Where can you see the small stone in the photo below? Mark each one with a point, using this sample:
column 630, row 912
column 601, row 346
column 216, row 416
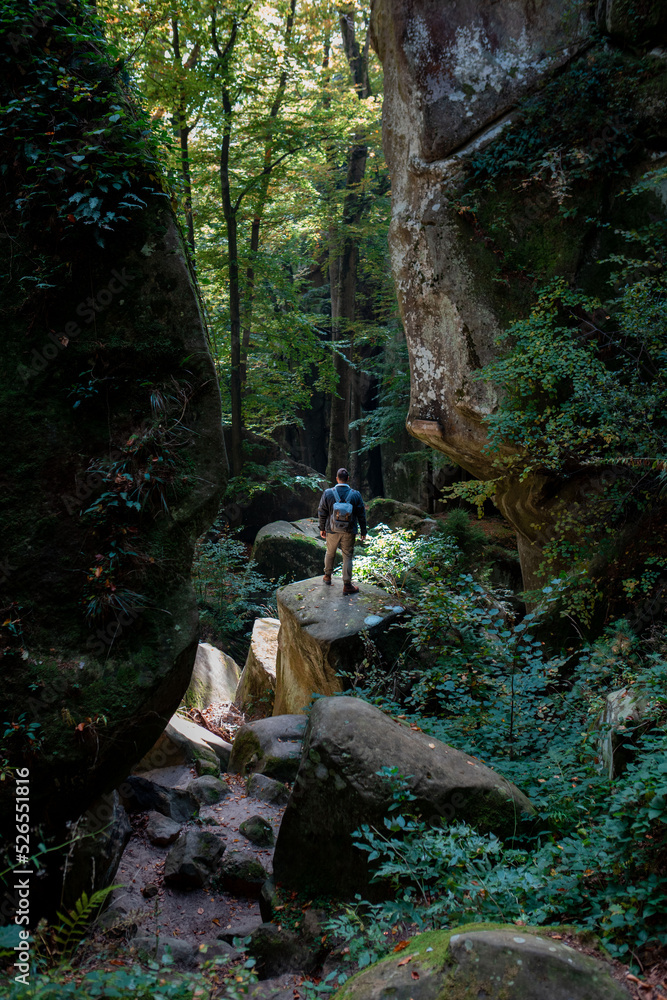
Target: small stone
column 242, row 874
column 207, row 789
column 161, row 830
column 193, row 859
column 267, row 789
column 150, row 890
column 258, row 831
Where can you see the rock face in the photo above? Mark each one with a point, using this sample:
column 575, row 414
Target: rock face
column 290, row 549
column 395, row 514
column 105, row 365
column 193, row 859
column 256, row 689
column 336, row 789
column 322, row 633
column 503, row 963
column 215, row 677
column 457, row 78
column 92, row 860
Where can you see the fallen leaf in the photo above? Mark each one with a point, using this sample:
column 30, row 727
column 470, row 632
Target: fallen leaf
column 215, row 921
column 415, row 975
column 115, row 961
column 432, row 746
column 404, row 961
column 401, row 945
column 200, row 911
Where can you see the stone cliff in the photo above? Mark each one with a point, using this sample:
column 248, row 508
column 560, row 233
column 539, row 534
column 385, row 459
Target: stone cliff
column 485, row 89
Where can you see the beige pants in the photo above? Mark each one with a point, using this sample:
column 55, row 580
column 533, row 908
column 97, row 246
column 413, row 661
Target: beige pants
column 346, row 541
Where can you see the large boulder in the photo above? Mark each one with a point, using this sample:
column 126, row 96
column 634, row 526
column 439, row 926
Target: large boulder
column 112, row 442
column 292, row 550
column 337, row 789
column 324, row 633
column 98, row 840
column 396, row 514
column 269, row 746
column 256, row 689
column 215, row 677
column 468, row 249
column 499, row 963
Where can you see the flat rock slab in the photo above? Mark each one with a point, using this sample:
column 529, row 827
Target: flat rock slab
column 256, row 689
column 506, row 963
column 321, row 634
column 184, row 742
column 337, row 789
column 269, row 746
column 154, row 792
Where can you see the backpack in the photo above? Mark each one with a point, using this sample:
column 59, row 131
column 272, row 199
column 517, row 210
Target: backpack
column 342, row 514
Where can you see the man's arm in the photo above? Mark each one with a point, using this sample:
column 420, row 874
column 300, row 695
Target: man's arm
column 323, row 512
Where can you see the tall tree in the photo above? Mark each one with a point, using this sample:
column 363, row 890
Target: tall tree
column 343, row 267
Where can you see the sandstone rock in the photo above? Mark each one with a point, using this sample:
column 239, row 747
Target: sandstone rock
column 193, row 859
column 255, row 693
column 269, row 746
column 215, row 676
column 257, row 831
column 118, row 656
column 97, row 842
column 625, row 716
column 259, row 786
column 506, row 963
column 337, row 789
column 290, row 549
column 208, row 790
column 457, row 78
column 145, row 792
column 161, row 830
column 184, row 742
column 242, row 874
column 321, row 635
column 268, row 900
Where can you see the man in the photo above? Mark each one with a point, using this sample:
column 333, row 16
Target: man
column 340, row 512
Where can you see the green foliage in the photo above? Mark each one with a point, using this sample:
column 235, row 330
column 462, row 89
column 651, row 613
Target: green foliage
column 595, row 857
column 74, row 924
column 398, row 560
column 563, row 135
column 228, row 587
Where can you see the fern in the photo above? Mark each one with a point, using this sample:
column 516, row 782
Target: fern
column 75, row 923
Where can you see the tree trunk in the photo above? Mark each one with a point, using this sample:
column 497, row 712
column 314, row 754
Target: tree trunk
column 343, row 263
column 184, row 133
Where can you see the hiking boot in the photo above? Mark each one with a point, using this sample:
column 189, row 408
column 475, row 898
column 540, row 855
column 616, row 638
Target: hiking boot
column 327, row 579
column 350, row 588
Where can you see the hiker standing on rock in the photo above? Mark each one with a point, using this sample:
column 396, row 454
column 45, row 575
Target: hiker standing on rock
column 341, row 510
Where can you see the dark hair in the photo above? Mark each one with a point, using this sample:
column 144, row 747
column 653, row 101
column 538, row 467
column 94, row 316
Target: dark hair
column 343, row 474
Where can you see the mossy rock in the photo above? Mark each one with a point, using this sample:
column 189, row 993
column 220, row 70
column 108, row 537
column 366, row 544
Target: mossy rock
column 496, row 961
column 288, row 551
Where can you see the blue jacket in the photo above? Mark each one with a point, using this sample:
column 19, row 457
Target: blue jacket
column 349, row 495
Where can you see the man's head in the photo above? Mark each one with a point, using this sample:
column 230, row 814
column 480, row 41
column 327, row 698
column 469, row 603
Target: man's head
column 342, row 476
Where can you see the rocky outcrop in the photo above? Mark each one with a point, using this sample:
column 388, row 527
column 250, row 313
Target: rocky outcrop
column 193, row 859
column 337, row 788
column 215, row 676
column 256, row 689
column 458, row 76
column 97, row 842
column 112, row 432
column 324, row 633
column 499, row 963
column 395, row 514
